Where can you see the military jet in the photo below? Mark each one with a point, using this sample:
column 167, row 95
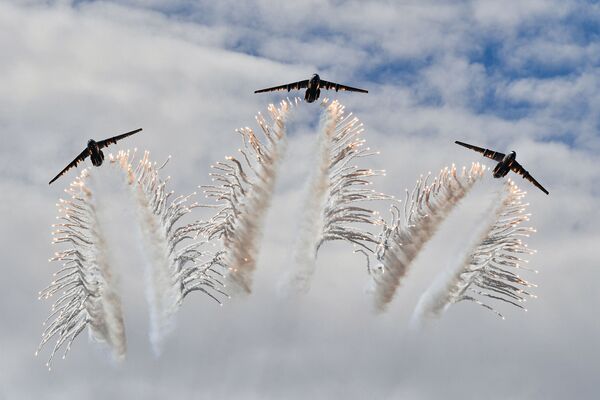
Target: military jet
column 313, row 88
column 506, row 163
column 93, row 150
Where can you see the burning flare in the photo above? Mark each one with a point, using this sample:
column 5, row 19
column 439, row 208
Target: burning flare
column 424, row 210
column 177, row 263
column 489, row 272
column 336, row 189
column 84, row 284
column 243, row 189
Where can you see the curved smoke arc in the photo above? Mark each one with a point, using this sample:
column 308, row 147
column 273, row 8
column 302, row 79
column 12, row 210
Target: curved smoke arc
column 242, row 190
column 85, row 284
column 489, row 272
column 410, row 228
column 87, row 296
column 337, row 199
column 178, row 262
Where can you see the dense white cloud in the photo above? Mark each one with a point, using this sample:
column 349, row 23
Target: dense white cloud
column 520, row 76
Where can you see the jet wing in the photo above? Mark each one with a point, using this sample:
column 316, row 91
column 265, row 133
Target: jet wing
column 288, row 87
column 113, row 140
column 494, row 155
column 518, row 168
column 84, row 154
column 337, row 87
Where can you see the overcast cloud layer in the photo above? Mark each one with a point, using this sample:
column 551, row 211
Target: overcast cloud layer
column 522, row 75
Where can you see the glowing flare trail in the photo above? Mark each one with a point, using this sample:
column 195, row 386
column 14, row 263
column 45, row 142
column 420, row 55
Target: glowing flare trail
column 178, row 264
column 243, row 189
column 336, row 189
column 175, row 270
column 490, row 270
column 424, row 210
column 84, row 284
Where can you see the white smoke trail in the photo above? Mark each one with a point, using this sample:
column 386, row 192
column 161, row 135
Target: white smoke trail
column 424, row 210
column 174, row 271
column 84, row 283
column 490, row 269
column 331, row 209
column 243, row 195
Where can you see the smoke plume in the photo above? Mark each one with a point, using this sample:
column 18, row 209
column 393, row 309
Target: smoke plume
column 243, row 189
column 177, row 265
column 410, row 228
column 84, row 284
column 177, row 262
column 489, row 273
column 335, row 191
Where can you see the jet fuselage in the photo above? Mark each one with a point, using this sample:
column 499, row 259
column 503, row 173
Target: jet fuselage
column 503, row 167
column 313, row 91
column 96, row 154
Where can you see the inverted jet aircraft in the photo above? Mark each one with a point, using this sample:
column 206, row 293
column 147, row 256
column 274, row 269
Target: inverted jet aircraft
column 505, row 164
column 93, row 150
column 313, row 88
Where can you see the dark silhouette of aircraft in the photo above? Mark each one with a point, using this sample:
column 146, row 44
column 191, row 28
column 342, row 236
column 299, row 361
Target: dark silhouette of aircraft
column 313, row 88
column 505, row 164
column 93, row 150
